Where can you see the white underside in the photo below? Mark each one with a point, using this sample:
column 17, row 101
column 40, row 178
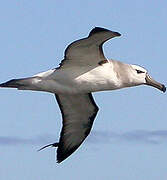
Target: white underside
column 77, row 80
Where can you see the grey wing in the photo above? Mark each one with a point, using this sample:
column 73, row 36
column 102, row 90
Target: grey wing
column 78, row 113
column 88, row 51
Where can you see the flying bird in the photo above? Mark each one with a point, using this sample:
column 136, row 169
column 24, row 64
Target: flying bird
column 83, row 70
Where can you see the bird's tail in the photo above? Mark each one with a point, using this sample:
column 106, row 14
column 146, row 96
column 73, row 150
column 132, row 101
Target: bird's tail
column 23, row 83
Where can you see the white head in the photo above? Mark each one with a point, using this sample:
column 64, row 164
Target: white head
column 140, row 76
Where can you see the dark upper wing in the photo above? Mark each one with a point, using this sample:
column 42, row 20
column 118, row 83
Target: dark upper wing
column 78, row 113
column 88, row 51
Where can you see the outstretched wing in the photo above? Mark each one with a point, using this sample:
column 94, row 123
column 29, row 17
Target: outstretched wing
column 78, row 113
column 88, row 51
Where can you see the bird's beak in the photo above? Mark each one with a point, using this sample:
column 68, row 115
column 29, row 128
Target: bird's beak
column 151, row 82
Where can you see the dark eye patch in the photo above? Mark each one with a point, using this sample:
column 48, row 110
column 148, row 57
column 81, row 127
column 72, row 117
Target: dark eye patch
column 138, row 71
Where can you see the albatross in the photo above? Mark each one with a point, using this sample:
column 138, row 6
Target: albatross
column 83, row 70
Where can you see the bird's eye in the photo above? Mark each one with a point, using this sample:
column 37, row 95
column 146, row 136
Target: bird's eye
column 139, row 71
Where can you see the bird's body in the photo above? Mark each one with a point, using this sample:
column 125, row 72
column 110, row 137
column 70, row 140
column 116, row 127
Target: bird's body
column 84, row 70
column 76, row 80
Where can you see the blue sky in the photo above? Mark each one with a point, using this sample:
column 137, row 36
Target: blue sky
column 129, row 136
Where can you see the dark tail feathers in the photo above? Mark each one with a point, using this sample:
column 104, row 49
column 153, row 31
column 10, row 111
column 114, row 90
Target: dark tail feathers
column 18, row 83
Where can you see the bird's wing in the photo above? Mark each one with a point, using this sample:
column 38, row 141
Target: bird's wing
column 78, row 113
column 88, row 51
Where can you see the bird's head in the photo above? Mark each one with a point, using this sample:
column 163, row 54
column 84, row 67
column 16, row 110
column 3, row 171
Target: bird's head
column 141, row 76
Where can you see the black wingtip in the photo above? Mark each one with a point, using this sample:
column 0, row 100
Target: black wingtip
column 164, row 88
column 100, row 29
column 59, row 161
column 49, row 145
